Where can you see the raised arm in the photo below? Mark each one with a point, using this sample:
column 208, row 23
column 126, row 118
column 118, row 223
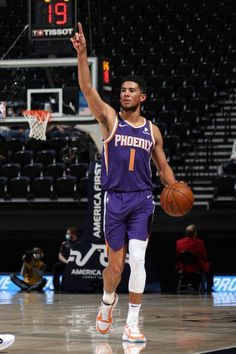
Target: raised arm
column 103, row 113
column 164, row 170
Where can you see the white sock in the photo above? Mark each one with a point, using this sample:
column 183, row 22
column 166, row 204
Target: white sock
column 133, row 313
column 108, row 298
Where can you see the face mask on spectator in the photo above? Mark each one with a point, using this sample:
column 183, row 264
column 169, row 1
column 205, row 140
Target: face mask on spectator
column 67, row 237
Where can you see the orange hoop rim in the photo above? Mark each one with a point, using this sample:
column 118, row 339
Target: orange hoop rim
column 40, row 114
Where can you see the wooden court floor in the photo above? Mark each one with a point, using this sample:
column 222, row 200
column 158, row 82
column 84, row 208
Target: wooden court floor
column 65, row 323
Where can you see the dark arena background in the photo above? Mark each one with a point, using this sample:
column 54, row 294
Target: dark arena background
column 186, row 52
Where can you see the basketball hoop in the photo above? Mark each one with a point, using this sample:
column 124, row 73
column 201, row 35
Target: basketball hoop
column 38, row 120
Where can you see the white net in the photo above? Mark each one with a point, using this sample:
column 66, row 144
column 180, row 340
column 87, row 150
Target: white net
column 38, row 120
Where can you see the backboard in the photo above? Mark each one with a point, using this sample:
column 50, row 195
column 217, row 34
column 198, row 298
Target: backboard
column 41, row 83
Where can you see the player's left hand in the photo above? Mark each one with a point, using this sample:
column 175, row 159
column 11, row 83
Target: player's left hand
column 79, row 41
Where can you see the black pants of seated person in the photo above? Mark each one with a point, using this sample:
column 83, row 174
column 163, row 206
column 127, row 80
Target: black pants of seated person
column 25, row 286
column 58, row 270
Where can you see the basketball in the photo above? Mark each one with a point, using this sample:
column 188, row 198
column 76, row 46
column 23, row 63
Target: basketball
column 177, row 199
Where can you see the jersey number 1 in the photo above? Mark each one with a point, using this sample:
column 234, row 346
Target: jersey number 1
column 131, row 159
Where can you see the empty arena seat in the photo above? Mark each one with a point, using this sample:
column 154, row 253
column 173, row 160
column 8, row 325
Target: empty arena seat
column 185, row 69
column 171, row 143
column 46, row 156
column 199, row 103
column 190, row 116
column 19, row 187
column 219, row 81
column 186, row 92
column 154, row 58
column 55, row 170
column 174, row 57
column 66, row 187
column 191, row 34
column 57, row 143
column 32, row 170
column 208, row 92
column 196, row 80
column 155, row 81
column 23, row 157
column 36, row 145
column 10, row 170
column 176, row 104
column 167, row 117
column 181, row 129
column 165, row 69
column 42, row 187
column 144, row 70
column 214, row 56
column 181, row 46
column 156, row 105
column 175, row 80
column 166, row 92
column 79, row 170
column 227, row 68
column 194, row 57
column 14, row 144
column 124, row 70
column 205, row 68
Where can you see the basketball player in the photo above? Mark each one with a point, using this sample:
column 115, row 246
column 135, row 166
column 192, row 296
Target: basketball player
column 130, row 141
column 6, row 340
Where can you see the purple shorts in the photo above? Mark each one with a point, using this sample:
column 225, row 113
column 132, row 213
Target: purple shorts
column 127, row 216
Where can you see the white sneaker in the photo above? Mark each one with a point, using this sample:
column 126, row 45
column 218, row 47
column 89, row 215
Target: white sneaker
column 104, row 318
column 132, row 333
column 6, row 340
column 133, row 348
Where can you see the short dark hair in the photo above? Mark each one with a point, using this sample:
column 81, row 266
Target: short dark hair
column 138, row 80
column 74, row 230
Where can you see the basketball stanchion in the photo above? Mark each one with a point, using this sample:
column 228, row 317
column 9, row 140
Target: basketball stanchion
column 177, row 199
column 38, row 120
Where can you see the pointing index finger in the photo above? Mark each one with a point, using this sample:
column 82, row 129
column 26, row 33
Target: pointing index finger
column 80, row 28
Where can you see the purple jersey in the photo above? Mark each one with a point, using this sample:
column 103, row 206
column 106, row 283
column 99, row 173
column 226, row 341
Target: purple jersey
column 126, row 157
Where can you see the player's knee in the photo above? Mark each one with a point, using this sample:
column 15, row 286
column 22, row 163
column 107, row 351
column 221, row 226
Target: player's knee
column 137, row 251
column 136, row 260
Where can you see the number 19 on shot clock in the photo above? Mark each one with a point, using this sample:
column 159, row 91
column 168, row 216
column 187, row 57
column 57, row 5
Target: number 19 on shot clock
column 52, row 19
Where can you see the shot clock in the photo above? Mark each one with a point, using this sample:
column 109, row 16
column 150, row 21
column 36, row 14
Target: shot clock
column 52, row 19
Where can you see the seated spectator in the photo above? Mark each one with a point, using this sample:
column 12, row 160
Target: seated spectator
column 191, row 243
column 32, row 271
column 72, row 236
column 17, row 132
column 57, row 131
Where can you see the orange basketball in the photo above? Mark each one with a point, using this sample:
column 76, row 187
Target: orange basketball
column 177, row 199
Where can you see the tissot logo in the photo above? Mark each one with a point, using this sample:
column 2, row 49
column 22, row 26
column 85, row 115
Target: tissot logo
column 58, row 32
